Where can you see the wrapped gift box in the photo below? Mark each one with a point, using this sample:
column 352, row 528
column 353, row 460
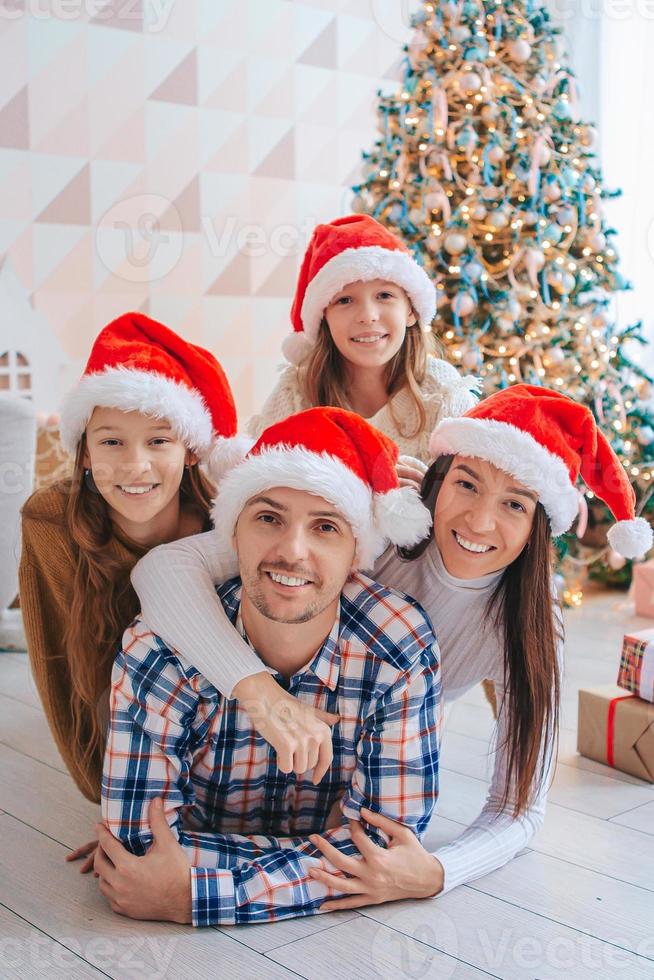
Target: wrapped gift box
column 617, row 729
column 636, row 672
column 643, row 586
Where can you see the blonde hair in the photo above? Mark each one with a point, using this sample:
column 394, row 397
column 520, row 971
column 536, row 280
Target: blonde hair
column 323, row 374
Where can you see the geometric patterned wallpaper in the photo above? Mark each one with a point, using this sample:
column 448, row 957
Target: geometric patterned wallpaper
column 173, row 157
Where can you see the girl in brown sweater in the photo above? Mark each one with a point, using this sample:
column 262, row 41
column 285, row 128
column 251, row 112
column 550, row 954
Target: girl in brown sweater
column 146, row 412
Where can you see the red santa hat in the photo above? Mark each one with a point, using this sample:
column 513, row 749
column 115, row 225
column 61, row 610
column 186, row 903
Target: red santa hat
column 546, row 441
column 139, row 365
column 352, row 249
column 336, row 455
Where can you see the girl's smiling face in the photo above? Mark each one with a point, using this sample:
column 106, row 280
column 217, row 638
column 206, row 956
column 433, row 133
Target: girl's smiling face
column 368, row 322
column 482, row 519
column 137, row 463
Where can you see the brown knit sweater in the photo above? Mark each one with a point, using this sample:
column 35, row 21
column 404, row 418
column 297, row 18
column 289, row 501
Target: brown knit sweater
column 46, row 580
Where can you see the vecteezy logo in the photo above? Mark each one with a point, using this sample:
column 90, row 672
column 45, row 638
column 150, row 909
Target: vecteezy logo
column 140, row 239
column 415, row 950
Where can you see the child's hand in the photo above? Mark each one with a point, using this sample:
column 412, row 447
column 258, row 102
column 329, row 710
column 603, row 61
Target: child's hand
column 85, row 851
column 410, row 472
column 300, row 734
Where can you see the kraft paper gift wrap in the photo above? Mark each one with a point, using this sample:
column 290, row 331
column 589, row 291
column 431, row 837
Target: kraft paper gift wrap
column 617, row 729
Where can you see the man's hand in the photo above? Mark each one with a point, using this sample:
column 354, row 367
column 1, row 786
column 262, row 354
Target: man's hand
column 300, row 735
column 155, row 886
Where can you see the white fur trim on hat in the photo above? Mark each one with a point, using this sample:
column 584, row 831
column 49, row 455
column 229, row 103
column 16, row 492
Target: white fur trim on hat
column 631, row 539
column 517, row 453
column 147, row 392
column 362, row 265
column 325, row 476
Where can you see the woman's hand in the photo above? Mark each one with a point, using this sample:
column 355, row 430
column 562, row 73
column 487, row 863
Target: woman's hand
column 410, row 472
column 300, row 735
column 156, row 886
column 85, row 851
column 403, row 870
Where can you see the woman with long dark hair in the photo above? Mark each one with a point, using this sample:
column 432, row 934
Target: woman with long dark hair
column 502, row 484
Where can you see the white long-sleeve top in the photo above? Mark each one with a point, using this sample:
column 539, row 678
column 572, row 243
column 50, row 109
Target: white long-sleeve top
column 176, row 585
column 445, row 393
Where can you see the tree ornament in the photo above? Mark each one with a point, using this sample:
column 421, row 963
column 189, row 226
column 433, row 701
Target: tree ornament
column 469, row 82
column 496, row 154
column 497, row 219
column 463, row 304
column 489, row 113
column 519, row 51
column 455, row 242
column 472, row 360
column 645, row 435
column 473, row 271
column 597, row 241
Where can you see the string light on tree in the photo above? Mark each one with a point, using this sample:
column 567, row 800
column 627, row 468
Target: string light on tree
column 486, row 171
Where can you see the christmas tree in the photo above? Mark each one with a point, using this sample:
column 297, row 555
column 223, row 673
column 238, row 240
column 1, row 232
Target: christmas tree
column 484, row 169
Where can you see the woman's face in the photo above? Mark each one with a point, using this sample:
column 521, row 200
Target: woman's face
column 368, row 321
column 137, row 463
column 482, row 519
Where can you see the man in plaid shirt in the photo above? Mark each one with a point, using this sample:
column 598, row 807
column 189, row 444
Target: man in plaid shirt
column 334, row 638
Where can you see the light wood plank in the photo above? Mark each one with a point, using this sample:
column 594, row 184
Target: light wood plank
column 581, row 839
column 595, row 793
column 369, row 950
column 506, row 941
column 642, row 818
column 262, row 938
column 16, row 679
column 28, row 953
column 609, row 910
column 45, row 799
column 598, row 845
column 36, row 884
column 25, row 729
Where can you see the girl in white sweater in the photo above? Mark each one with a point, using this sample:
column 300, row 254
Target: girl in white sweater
column 361, row 339
column 502, row 484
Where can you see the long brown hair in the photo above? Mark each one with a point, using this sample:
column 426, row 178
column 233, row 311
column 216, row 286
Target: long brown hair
column 522, row 609
column 323, row 375
column 103, row 602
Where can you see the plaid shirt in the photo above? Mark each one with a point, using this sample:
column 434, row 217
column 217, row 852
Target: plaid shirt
column 243, row 824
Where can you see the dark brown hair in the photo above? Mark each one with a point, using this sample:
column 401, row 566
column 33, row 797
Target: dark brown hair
column 522, row 609
column 103, row 602
column 323, row 375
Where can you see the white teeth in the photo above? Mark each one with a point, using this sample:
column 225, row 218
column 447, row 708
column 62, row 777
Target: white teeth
column 368, row 340
column 286, row 580
column 470, row 546
column 137, row 490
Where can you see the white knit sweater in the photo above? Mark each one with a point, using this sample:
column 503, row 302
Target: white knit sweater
column 445, row 394
column 176, row 585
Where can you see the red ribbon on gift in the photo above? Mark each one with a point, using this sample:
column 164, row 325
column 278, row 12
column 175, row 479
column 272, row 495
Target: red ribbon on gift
column 610, row 725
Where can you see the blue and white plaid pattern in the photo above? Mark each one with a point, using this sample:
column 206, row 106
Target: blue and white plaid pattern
column 243, row 824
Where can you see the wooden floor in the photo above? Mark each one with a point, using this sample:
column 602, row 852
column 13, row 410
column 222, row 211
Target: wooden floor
column 578, row 904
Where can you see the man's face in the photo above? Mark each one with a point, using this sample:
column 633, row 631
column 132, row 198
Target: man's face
column 295, row 553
